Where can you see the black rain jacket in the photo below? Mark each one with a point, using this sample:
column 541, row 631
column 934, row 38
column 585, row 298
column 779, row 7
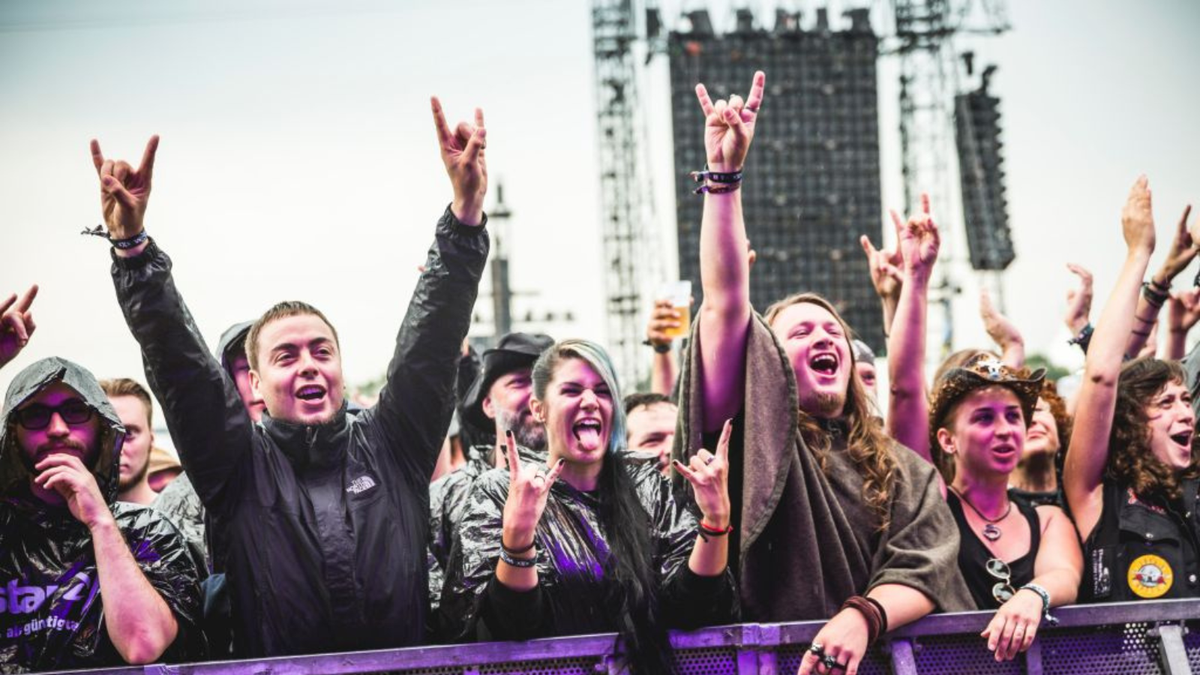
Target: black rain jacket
column 51, row 608
column 325, row 526
column 574, row 566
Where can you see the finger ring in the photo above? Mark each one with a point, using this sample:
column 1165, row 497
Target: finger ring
column 829, row 661
column 817, row 648
column 709, row 460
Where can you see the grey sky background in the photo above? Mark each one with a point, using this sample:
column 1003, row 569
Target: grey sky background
column 298, row 159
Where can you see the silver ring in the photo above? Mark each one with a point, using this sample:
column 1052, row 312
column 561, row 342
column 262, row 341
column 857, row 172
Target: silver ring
column 709, row 460
column 817, row 648
column 830, row 662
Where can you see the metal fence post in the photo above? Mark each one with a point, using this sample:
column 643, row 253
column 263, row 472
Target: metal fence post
column 1172, row 653
column 903, row 660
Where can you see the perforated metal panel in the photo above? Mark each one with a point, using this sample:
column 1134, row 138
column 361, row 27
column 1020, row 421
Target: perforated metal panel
column 709, row 661
column 1191, row 642
column 566, row 666
column 789, row 658
column 440, row 670
column 1102, row 650
column 962, row 654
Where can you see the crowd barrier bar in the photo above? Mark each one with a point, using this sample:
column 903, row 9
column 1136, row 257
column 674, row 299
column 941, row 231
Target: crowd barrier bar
column 1132, row 638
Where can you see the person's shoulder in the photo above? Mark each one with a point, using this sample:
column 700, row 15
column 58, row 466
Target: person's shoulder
column 144, row 522
column 646, row 474
column 493, row 482
column 907, row 459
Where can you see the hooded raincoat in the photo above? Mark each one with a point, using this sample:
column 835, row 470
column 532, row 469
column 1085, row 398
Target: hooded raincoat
column 51, row 605
column 322, row 528
column 447, row 501
column 573, row 566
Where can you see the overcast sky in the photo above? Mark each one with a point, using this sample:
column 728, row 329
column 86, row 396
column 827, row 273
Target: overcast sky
column 298, row 158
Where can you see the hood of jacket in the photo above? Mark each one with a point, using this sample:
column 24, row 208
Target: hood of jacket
column 232, row 343
column 14, row 471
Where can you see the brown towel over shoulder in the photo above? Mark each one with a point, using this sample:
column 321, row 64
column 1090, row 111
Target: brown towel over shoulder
column 807, row 538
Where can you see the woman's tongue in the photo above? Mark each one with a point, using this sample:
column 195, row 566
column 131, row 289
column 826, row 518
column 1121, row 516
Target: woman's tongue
column 588, row 436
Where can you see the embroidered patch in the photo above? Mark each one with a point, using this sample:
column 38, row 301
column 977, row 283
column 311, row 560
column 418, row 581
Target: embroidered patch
column 1150, row 577
column 1133, row 499
column 360, row 485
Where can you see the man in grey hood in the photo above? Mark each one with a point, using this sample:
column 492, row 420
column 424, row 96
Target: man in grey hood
column 87, row 581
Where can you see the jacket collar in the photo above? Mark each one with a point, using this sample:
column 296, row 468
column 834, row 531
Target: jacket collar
column 315, row 445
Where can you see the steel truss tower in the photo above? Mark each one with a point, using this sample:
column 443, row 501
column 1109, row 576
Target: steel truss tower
column 925, row 31
column 623, row 210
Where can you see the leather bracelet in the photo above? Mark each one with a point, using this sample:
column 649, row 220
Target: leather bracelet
column 869, row 612
column 1154, row 297
column 882, row 613
column 523, row 563
column 1084, row 338
column 517, row 551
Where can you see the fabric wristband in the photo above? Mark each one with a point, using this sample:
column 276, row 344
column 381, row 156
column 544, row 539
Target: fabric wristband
column 523, row 563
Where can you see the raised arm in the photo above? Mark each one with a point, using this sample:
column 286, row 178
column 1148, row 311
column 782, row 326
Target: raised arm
column 664, row 319
column 208, row 423
column 724, row 268
column 885, row 267
column 908, row 405
column 1087, row 455
column 417, row 400
column 1079, row 308
column 1183, row 313
column 16, row 324
column 1003, row 332
column 1157, row 292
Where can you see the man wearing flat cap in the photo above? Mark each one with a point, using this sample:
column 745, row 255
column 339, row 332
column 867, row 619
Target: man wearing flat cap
column 497, row 400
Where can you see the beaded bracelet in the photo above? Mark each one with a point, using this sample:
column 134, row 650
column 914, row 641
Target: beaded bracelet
column 1045, row 595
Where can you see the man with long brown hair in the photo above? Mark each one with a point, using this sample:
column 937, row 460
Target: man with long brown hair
column 831, row 517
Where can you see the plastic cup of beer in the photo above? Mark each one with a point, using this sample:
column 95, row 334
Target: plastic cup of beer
column 679, row 293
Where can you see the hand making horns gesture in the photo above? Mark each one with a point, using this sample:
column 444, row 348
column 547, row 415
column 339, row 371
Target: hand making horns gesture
column 124, row 192
column 464, row 154
column 528, row 490
column 729, row 125
column 709, row 476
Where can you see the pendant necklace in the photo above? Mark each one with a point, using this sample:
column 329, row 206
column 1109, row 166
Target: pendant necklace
column 990, row 531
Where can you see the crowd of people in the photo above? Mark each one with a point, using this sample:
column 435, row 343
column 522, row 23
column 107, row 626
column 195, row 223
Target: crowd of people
column 758, row 481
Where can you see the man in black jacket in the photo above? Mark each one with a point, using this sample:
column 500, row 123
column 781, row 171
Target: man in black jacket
column 324, row 515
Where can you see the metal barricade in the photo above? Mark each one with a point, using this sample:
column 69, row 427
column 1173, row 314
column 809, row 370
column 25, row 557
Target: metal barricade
column 1133, row 638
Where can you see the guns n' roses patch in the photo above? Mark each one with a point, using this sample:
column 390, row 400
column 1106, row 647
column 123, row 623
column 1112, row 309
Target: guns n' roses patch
column 1150, row 577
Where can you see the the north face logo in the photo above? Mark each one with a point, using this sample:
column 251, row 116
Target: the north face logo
column 360, row 485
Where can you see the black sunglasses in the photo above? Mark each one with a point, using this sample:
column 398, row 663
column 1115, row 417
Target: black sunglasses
column 37, row 416
column 1003, row 590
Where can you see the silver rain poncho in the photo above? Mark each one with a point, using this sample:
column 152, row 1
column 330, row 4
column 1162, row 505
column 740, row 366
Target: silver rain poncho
column 51, row 608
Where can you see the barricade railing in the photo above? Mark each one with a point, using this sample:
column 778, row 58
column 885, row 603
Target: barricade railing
column 1109, row 639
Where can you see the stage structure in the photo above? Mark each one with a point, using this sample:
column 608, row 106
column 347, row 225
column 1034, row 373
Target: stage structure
column 812, row 185
column 624, row 197
column 923, row 39
column 981, row 171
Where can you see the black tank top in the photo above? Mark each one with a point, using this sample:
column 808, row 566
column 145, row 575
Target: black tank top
column 973, row 555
